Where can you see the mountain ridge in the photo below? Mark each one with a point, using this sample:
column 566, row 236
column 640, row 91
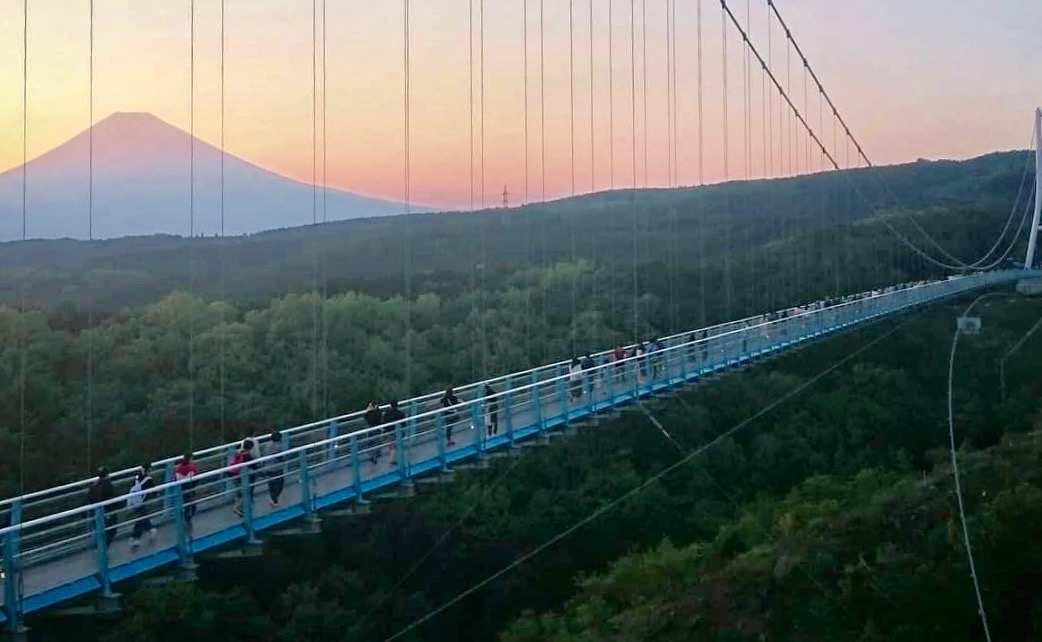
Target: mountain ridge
column 142, row 179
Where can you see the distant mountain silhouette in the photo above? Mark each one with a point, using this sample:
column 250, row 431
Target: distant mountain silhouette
column 141, row 186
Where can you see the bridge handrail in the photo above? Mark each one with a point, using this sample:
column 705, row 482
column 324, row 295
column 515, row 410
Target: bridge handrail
column 47, row 493
column 323, row 444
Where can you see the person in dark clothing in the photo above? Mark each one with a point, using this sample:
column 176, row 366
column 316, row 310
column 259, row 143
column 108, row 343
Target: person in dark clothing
column 659, row 358
column 276, row 468
column 184, row 472
column 373, row 417
column 618, row 357
column 587, row 366
column 242, row 457
column 102, row 490
column 393, row 416
column 137, row 501
column 491, row 411
column 449, row 401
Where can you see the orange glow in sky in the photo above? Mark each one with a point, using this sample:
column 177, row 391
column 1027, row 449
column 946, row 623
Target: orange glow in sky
column 928, row 80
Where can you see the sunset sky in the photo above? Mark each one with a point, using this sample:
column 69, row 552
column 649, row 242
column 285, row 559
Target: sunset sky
column 928, row 78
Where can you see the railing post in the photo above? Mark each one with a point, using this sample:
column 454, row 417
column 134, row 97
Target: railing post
column 356, row 467
column 101, row 550
column 410, row 434
column 536, row 400
column 506, row 408
column 247, row 503
column 12, row 570
column 610, row 385
column 439, row 436
column 168, row 495
column 307, row 502
column 399, row 445
column 229, row 482
column 589, row 377
column 562, row 389
column 183, row 538
column 476, row 413
column 332, row 432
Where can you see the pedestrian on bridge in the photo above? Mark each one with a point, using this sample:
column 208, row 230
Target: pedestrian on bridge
column 449, row 401
column 137, row 501
column 659, row 357
column 242, row 457
column 373, row 417
column 276, row 468
column 575, row 379
column 102, row 490
column 620, row 368
column 640, row 352
column 587, row 364
column 184, row 472
column 491, row 411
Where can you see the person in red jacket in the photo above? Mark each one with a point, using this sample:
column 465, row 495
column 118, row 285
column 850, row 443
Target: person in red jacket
column 246, row 454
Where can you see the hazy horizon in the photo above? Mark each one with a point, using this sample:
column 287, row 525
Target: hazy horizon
column 922, row 80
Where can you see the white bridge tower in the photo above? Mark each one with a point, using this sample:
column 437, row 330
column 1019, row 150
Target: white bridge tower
column 1029, row 260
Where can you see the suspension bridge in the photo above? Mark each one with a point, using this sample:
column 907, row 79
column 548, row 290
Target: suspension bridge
column 56, row 544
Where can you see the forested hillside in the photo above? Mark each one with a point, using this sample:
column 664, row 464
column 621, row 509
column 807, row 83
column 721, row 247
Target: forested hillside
column 696, row 226
column 810, row 522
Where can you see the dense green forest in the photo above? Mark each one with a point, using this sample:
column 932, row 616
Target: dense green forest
column 810, row 522
column 303, row 323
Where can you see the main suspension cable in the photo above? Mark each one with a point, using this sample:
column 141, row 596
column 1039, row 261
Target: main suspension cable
column 22, row 339
column 223, row 349
column 633, row 165
column 407, row 156
column 701, row 176
column 611, row 96
column 90, row 238
column 325, row 218
column 314, row 209
column 484, row 218
column 802, row 122
column 191, row 235
column 956, row 264
column 571, row 128
column 727, row 174
column 955, row 473
column 635, row 490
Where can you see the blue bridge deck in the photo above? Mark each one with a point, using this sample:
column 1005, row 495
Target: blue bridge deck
column 54, row 549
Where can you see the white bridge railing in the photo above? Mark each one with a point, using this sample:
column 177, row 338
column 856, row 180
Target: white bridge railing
column 55, row 547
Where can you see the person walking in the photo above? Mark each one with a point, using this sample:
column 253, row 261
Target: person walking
column 246, row 453
column 137, row 502
column 276, row 468
column 184, row 472
column 587, row 365
column 373, row 417
column 575, row 379
column 618, row 357
column 659, row 358
column 449, row 401
column 640, row 352
column 491, row 411
column 103, row 490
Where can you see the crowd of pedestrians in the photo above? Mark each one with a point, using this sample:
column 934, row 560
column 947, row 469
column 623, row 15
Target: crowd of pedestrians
column 141, row 503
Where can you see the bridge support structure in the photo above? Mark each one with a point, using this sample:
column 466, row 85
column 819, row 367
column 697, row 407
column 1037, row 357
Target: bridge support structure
column 1034, row 286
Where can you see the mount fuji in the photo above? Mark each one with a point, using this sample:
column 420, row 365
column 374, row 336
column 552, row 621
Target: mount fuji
column 141, row 187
